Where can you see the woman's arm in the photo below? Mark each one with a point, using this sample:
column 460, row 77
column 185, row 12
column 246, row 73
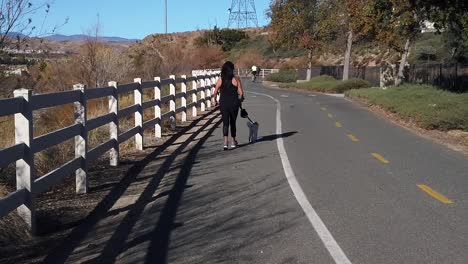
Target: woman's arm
column 215, row 95
column 240, row 90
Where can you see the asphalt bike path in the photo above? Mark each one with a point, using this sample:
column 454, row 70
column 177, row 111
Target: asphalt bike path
column 386, row 194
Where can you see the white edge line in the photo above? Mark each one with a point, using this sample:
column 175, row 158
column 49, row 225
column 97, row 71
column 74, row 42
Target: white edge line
column 330, row 243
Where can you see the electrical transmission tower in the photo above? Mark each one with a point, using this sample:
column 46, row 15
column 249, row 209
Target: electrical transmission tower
column 242, row 13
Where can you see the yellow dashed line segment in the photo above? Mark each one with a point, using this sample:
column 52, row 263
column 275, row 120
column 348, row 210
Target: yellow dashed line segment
column 323, row 109
column 338, row 124
column 435, row 194
column 353, row 138
column 330, row 115
column 380, row 158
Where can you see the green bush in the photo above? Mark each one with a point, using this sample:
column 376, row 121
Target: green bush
column 351, row 84
column 428, row 106
column 283, row 76
column 226, row 38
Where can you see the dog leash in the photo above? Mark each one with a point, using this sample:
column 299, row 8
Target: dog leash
column 242, row 109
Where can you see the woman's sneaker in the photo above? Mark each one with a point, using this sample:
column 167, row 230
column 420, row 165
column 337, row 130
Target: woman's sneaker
column 234, row 144
column 225, row 147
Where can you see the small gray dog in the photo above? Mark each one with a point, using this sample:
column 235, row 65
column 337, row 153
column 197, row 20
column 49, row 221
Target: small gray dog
column 252, row 125
column 253, row 131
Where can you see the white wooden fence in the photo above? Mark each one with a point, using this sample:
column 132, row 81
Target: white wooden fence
column 262, row 74
column 23, row 105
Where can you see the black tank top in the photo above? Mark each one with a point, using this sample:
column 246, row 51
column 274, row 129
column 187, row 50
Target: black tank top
column 228, row 94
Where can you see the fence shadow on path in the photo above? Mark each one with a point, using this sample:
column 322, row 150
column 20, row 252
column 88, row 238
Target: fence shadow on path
column 237, row 212
column 62, row 253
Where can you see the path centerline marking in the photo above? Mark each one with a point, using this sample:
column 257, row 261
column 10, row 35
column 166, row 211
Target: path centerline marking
column 330, row 115
column 338, row 124
column 323, row 109
column 353, row 138
column 436, row 195
column 380, row 158
column 322, row 231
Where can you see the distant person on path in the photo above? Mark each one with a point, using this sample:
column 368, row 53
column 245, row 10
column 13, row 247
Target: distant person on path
column 254, row 72
column 231, row 95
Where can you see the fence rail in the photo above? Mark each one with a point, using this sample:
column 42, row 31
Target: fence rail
column 25, row 103
column 262, row 74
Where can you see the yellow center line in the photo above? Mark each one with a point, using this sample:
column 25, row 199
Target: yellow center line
column 435, row 194
column 380, row 158
column 353, row 138
column 330, row 115
column 323, row 109
column 338, row 124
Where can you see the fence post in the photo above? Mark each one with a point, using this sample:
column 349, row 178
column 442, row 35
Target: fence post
column 440, row 75
column 25, row 166
column 81, row 141
column 172, row 103
column 183, row 100
column 157, row 107
column 381, row 77
column 202, row 93
column 138, row 95
column 194, row 97
column 208, row 89
column 114, row 125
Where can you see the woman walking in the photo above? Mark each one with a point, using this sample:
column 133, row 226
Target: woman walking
column 231, row 95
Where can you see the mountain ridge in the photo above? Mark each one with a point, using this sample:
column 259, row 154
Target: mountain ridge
column 76, row 38
column 83, row 37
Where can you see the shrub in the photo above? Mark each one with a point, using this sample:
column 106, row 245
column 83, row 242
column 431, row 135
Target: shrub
column 351, row 84
column 328, row 84
column 226, row 38
column 283, row 76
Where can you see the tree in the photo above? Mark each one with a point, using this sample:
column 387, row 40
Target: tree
column 16, row 23
column 346, row 20
column 450, row 16
column 297, row 23
column 399, row 22
column 396, row 24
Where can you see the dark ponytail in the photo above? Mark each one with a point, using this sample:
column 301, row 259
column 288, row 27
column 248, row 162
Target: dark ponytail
column 227, row 72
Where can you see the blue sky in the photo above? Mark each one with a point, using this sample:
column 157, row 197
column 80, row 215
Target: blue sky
column 139, row 18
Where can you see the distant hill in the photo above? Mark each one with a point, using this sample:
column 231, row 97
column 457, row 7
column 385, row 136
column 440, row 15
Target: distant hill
column 81, row 37
column 15, row 35
column 77, row 38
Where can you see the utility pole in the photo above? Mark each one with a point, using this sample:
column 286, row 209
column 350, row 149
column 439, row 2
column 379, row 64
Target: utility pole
column 166, row 15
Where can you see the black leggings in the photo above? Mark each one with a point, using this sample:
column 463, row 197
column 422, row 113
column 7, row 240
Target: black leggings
column 229, row 115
